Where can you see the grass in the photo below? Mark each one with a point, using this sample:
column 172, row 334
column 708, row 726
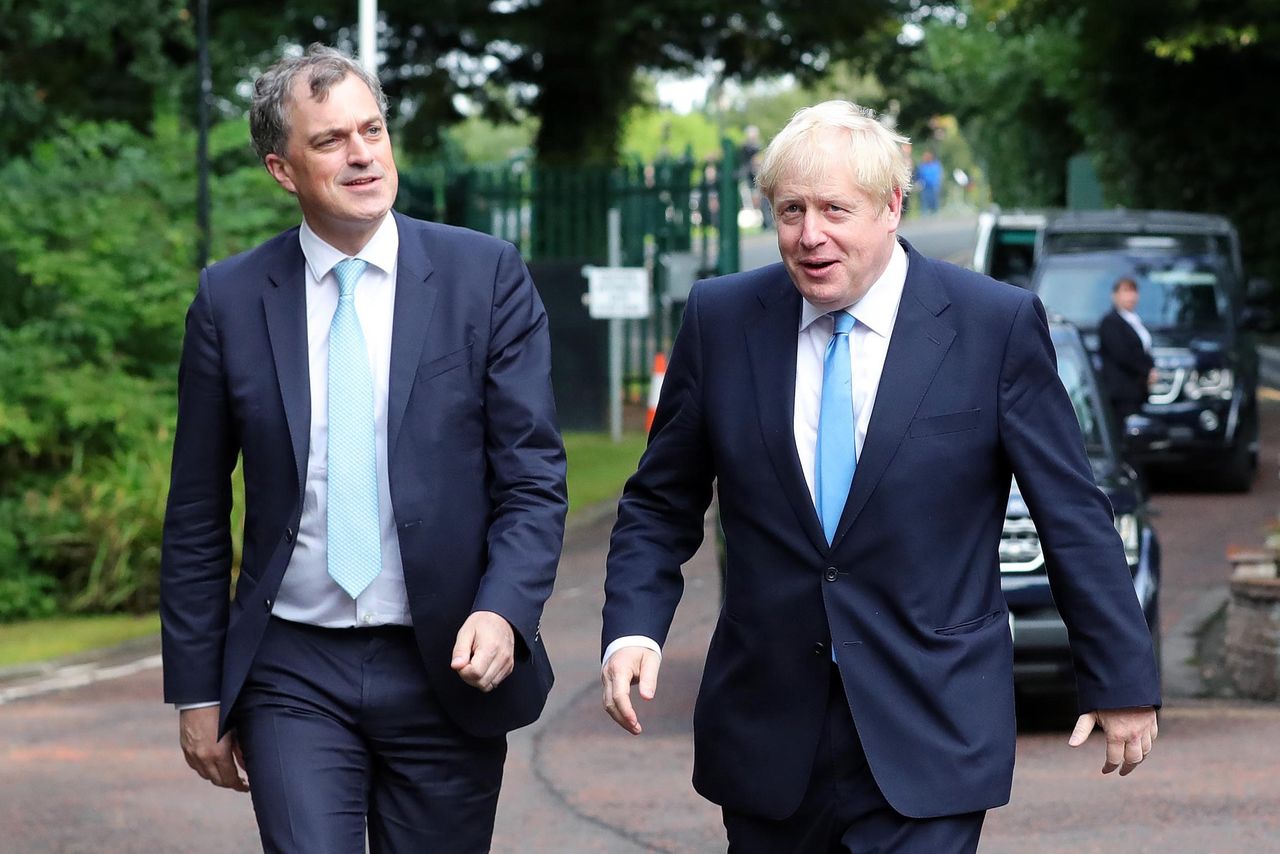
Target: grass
column 598, row 467
column 597, row 470
column 39, row 640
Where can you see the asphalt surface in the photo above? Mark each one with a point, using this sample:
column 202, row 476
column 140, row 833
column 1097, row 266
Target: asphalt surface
column 89, row 759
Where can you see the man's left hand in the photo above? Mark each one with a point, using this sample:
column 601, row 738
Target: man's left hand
column 1130, row 734
column 485, row 651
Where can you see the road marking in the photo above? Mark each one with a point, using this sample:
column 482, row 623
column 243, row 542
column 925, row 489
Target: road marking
column 76, row 676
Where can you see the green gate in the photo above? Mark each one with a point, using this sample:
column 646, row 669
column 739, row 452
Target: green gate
column 675, row 215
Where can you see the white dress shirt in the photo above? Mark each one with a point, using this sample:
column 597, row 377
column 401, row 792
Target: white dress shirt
column 875, row 314
column 1136, row 323
column 307, row 593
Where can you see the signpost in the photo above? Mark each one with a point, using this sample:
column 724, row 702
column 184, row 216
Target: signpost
column 616, row 293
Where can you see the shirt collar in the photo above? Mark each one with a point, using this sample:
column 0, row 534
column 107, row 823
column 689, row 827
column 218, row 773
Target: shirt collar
column 879, row 305
column 1129, row 316
column 380, row 251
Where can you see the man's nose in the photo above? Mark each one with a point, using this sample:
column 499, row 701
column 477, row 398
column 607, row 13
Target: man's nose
column 359, row 151
column 811, row 230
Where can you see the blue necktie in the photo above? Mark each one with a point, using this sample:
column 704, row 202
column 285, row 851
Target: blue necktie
column 354, row 540
column 833, row 470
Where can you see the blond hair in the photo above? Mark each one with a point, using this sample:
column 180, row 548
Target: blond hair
column 875, row 154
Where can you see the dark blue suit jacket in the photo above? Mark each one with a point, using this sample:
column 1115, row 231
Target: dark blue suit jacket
column 909, row 592
column 475, row 461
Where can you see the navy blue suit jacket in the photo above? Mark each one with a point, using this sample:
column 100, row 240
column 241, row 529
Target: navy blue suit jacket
column 908, row 594
column 475, row 461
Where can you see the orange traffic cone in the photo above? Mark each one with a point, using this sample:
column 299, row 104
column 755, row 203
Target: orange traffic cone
column 655, row 388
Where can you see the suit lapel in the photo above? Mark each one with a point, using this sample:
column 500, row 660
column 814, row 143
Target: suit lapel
column 771, row 345
column 414, row 305
column 285, row 305
column 919, row 343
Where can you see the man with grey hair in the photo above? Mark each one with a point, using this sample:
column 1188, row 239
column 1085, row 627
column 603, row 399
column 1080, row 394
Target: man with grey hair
column 385, row 385
column 863, row 409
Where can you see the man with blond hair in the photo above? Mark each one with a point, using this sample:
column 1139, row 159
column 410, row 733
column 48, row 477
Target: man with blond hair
column 862, row 409
column 385, row 384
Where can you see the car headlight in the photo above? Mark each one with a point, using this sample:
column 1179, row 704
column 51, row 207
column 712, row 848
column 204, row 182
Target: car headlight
column 1214, row 382
column 1127, row 526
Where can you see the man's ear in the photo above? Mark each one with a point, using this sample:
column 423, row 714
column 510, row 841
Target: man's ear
column 279, row 169
column 893, row 210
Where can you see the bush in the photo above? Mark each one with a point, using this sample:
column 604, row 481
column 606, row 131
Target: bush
column 97, row 231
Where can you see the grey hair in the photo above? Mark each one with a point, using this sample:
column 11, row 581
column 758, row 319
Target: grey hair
column 875, row 153
column 273, row 93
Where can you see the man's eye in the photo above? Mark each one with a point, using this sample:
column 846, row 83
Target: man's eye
column 374, row 130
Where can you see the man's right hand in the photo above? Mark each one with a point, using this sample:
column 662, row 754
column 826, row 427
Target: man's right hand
column 213, row 758
column 625, row 667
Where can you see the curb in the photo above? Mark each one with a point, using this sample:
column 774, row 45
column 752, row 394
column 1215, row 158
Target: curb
column 130, row 650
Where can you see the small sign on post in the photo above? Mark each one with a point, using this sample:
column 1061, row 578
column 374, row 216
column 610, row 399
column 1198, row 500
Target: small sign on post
column 617, row 293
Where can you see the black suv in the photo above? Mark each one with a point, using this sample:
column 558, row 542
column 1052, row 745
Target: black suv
column 1042, row 661
column 1187, row 267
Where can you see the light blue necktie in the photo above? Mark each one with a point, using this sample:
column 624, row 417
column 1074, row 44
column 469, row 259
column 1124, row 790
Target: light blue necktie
column 833, row 470
column 354, row 541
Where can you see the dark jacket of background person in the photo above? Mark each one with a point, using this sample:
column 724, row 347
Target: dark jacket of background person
column 1126, row 365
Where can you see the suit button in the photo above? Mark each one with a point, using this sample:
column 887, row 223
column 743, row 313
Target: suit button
column 831, row 573
column 288, row 535
column 267, row 604
column 819, row 648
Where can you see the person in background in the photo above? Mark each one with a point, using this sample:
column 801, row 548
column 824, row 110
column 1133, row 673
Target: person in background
column 1125, row 347
column 929, row 182
column 384, row 384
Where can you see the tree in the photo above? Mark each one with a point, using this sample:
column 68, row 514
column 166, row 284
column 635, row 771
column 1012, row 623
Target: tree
column 83, row 59
column 570, row 65
column 1165, row 99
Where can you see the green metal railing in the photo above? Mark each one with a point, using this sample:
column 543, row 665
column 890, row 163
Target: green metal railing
column 679, row 205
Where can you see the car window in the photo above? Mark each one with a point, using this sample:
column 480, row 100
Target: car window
column 1174, row 293
column 1013, row 255
column 1177, row 299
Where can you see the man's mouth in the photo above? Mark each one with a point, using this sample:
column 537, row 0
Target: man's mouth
column 361, row 182
column 817, row 265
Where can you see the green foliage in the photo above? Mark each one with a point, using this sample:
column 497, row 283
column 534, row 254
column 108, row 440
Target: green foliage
column 650, row 134
column 97, row 230
column 999, row 84
column 481, row 141
column 770, row 106
column 84, row 59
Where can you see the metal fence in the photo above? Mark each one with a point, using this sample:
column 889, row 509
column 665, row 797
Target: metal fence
column 679, row 219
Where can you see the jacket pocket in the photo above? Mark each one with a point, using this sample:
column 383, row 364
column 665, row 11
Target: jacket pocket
column 952, row 422
column 969, row 626
column 445, row 363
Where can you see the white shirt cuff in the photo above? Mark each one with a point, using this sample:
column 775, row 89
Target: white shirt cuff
column 630, row 640
column 182, row 707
